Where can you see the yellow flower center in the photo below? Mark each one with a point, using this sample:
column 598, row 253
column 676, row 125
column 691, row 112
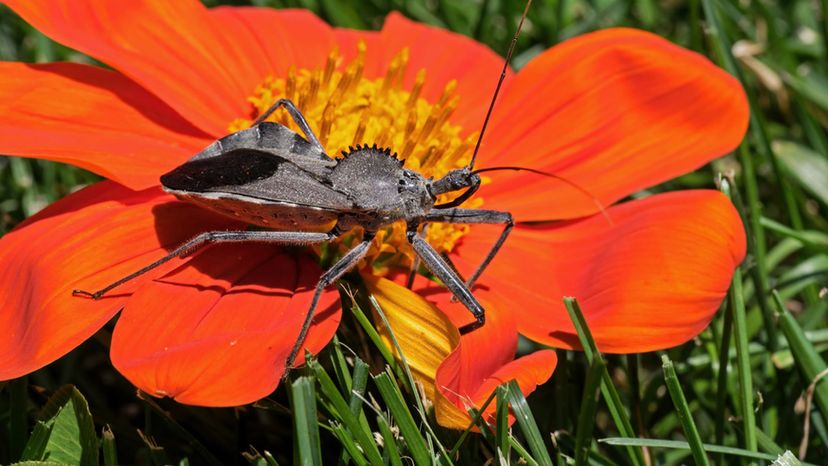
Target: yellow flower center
column 345, row 109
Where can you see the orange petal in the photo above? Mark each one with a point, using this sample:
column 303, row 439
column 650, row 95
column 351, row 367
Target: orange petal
column 217, row 331
column 456, row 375
column 652, row 279
column 278, row 39
column 484, row 359
column 528, row 371
column 614, row 111
column 446, row 56
column 348, row 42
column 176, row 50
column 93, row 118
column 87, row 240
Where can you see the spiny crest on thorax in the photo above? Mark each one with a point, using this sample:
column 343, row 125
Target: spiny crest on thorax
column 371, row 166
column 371, row 151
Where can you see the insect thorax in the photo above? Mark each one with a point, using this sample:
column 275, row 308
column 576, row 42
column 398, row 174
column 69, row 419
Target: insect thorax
column 382, row 190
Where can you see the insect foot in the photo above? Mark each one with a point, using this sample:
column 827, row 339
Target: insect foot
column 481, row 320
column 86, row 294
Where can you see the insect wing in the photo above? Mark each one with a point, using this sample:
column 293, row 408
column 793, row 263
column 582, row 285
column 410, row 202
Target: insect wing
column 255, row 176
column 275, row 139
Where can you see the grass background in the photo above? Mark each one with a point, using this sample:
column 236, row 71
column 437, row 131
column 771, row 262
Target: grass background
column 737, row 385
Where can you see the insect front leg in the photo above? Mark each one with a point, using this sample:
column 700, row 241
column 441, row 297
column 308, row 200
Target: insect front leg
column 297, row 116
column 340, row 268
column 439, row 267
column 477, row 216
column 278, row 237
column 415, row 263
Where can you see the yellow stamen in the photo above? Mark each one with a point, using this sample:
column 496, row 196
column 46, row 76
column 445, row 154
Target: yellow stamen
column 345, row 109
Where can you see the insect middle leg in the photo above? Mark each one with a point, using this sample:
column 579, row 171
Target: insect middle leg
column 297, row 116
column 477, row 216
column 278, row 237
column 340, row 268
column 439, row 267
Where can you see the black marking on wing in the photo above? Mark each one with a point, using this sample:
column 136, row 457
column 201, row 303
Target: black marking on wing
column 234, row 168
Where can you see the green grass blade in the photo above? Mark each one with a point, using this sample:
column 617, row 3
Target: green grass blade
column 743, row 370
column 399, row 410
column 527, row 424
column 110, row 452
column 736, row 307
column 757, row 123
column 588, row 345
column 485, row 429
column 589, row 405
column 805, row 166
column 721, row 381
column 347, row 441
column 340, row 366
column 372, row 333
column 767, row 444
column 269, row 459
column 389, row 443
column 195, row 444
column 525, row 456
column 678, row 444
column 408, row 377
column 360, row 382
column 565, row 443
column 613, row 399
column 807, row 358
column 680, row 402
column 65, row 432
column 722, row 47
column 816, row 241
column 306, row 431
column 476, row 420
column 754, row 230
column 502, row 433
column 342, row 411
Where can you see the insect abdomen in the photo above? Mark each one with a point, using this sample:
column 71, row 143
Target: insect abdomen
column 272, row 215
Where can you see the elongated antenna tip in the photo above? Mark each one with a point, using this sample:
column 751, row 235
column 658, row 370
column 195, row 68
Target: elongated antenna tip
column 499, row 83
column 567, row 181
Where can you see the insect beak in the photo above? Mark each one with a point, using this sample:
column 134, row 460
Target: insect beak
column 454, row 180
column 461, row 178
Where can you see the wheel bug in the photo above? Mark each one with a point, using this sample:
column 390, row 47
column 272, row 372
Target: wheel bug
column 271, row 177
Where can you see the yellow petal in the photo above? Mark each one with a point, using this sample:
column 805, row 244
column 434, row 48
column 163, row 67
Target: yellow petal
column 424, row 333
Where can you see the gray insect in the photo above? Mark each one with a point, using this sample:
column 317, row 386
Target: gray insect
column 272, row 177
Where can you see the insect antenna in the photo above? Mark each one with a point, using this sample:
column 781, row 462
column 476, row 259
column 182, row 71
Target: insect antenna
column 499, row 83
column 569, row 182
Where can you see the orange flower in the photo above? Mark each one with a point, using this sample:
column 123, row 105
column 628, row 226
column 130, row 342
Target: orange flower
column 613, row 111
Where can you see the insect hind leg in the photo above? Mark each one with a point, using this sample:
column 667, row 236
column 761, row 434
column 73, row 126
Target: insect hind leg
column 278, row 237
column 477, row 216
column 340, row 268
column 297, row 116
column 439, row 267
